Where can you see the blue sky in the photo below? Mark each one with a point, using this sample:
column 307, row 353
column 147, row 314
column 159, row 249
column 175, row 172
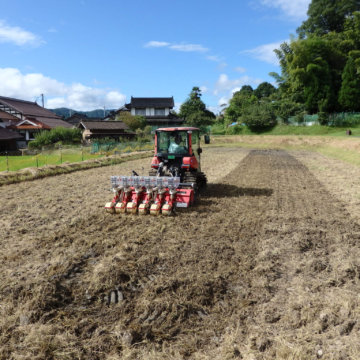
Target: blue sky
column 87, row 54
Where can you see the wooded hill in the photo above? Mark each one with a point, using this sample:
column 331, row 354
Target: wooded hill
column 66, row 112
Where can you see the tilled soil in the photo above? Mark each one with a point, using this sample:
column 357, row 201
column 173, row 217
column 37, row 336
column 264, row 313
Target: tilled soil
column 266, row 266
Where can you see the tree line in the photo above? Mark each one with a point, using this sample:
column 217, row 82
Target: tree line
column 320, row 72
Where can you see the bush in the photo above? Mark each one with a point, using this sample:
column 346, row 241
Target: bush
column 259, row 117
column 344, row 120
column 58, row 135
column 134, row 122
column 234, row 130
column 323, row 118
column 218, row 129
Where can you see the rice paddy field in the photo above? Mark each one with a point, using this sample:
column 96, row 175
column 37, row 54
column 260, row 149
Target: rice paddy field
column 265, row 266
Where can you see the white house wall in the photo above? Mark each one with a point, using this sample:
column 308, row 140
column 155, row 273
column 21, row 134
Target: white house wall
column 151, row 111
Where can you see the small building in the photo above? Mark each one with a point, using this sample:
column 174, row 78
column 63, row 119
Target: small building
column 156, row 110
column 76, row 118
column 111, row 116
column 116, row 130
column 8, row 140
column 27, row 118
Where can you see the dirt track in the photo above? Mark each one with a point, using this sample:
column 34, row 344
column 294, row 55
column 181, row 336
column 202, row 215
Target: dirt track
column 265, row 267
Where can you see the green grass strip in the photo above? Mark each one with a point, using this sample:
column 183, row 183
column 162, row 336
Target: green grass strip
column 52, row 170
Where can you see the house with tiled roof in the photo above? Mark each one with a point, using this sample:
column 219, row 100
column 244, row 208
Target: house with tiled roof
column 116, row 130
column 76, row 118
column 156, row 110
column 27, row 118
column 8, row 139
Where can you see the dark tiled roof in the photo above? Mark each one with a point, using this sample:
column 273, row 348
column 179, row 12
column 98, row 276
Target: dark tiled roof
column 104, row 125
column 27, row 107
column 6, row 116
column 31, row 110
column 76, row 118
column 153, row 102
column 53, row 122
column 9, row 135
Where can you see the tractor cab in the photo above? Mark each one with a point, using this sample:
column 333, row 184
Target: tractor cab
column 177, row 149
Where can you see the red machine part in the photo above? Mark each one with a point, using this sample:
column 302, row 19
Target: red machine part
column 142, row 200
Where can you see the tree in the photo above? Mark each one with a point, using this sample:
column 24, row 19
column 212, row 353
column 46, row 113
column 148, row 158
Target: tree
column 194, row 111
column 312, row 70
column 133, row 122
column 259, row 117
column 285, row 108
column 349, row 94
column 241, row 99
column 264, row 90
column 325, row 16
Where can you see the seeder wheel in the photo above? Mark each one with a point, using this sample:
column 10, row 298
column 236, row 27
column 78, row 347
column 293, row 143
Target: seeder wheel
column 143, row 209
column 110, row 207
column 155, row 209
column 120, row 208
column 167, row 210
column 131, row 208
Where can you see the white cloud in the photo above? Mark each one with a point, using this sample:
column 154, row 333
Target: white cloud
column 214, row 58
column 204, row 89
column 240, row 69
column 224, row 84
column 225, row 87
column 224, row 100
column 57, row 94
column 17, row 35
column 296, row 9
column 156, row 44
column 177, row 47
column 265, row 52
column 188, row 47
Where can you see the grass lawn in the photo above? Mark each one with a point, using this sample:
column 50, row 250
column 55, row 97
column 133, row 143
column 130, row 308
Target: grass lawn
column 314, row 130
column 13, row 163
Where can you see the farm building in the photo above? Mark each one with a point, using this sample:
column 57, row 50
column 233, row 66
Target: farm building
column 105, row 129
column 76, row 118
column 27, row 118
column 156, row 110
column 8, row 140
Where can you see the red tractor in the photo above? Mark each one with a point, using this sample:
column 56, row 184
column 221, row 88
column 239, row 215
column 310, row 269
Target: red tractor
column 174, row 180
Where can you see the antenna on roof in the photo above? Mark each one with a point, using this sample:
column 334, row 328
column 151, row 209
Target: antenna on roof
column 42, row 100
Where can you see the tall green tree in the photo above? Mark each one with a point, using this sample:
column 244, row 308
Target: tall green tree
column 325, row 16
column 241, row 100
column 349, row 94
column 312, row 70
column 194, row 111
column 264, row 90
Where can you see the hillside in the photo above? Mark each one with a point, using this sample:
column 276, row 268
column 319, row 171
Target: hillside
column 66, row 112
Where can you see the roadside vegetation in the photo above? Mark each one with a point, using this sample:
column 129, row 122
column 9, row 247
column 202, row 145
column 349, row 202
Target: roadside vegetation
column 56, row 137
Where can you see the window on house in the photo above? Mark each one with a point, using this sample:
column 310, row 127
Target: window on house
column 140, row 112
column 160, row 112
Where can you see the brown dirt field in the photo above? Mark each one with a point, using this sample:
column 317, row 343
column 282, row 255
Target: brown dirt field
column 266, row 266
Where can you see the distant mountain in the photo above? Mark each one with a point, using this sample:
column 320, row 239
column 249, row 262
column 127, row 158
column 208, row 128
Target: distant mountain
column 66, row 113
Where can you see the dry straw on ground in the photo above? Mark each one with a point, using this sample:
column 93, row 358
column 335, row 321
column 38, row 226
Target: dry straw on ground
column 266, row 266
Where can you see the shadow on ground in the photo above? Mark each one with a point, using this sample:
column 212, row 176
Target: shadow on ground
column 227, row 190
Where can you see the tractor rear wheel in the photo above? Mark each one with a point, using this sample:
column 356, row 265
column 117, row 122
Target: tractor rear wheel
column 198, row 178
